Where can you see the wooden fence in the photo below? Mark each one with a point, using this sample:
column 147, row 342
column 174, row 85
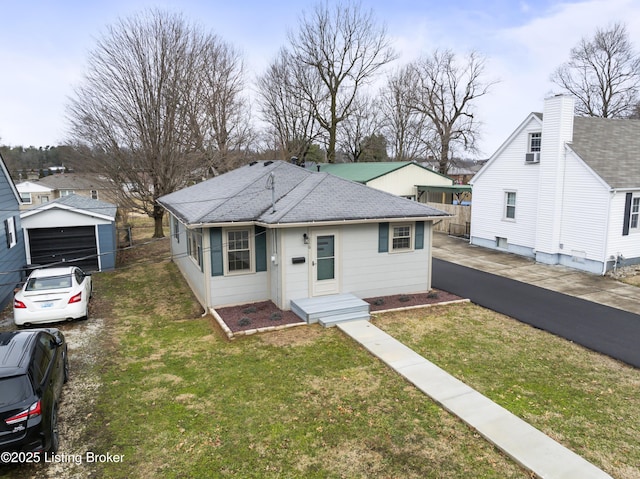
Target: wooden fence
column 457, row 225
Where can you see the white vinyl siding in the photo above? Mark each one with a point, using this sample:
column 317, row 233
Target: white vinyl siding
column 366, row 273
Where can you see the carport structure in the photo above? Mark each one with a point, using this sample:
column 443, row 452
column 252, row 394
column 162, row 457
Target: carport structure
column 72, row 229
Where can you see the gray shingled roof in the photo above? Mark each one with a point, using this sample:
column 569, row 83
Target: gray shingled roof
column 302, row 196
column 81, row 203
column 611, row 147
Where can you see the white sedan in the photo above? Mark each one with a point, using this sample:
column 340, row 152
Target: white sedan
column 53, row 294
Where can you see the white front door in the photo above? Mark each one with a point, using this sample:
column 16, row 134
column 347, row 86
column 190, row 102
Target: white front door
column 325, row 262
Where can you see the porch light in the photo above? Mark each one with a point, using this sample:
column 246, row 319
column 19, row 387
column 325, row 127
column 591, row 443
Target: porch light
column 305, row 238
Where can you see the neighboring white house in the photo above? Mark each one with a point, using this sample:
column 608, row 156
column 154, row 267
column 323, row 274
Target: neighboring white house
column 34, row 193
column 275, row 231
column 563, row 190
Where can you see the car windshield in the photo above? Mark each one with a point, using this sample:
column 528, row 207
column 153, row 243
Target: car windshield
column 14, row 390
column 51, row 282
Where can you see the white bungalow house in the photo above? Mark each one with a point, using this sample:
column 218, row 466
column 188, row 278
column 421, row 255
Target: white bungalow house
column 276, row 231
column 563, row 190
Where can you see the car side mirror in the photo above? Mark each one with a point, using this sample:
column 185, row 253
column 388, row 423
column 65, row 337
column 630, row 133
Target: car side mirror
column 57, row 342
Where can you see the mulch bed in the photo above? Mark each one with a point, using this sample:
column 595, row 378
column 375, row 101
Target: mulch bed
column 265, row 314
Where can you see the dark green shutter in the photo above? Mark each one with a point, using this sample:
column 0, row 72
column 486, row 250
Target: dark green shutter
column 261, row 249
column 419, row 234
column 217, row 259
column 627, row 214
column 383, row 237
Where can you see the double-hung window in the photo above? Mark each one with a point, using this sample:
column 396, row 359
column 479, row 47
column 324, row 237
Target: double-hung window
column 401, row 237
column 194, row 246
column 26, row 198
column 634, row 220
column 238, row 248
column 535, row 141
column 510, row 205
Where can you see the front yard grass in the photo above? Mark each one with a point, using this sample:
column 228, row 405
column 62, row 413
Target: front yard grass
column 180, row 400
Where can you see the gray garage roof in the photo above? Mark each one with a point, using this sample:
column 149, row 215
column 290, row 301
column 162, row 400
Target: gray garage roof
column 301, row 196
column 77, row 203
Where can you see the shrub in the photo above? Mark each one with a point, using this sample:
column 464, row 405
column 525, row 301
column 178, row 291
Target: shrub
column 378, row 302
column 433, row 295
column 275, row 316
column 249, row 310
column 244, row 321
column 404, row 298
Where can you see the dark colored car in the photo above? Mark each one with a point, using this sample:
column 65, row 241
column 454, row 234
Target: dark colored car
column 33, row 369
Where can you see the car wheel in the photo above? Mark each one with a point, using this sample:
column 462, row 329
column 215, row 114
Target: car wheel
column 55, row 433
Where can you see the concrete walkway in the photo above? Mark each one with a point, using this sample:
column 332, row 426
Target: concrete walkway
column 526, row 445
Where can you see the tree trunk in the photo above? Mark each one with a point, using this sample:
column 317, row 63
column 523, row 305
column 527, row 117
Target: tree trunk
column 158, row 215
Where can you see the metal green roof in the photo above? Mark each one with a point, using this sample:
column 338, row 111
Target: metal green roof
column 368, row 171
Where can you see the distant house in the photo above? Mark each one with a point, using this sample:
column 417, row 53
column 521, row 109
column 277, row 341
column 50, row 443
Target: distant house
column 63, row 184
column 72, row 229
column 402, row 178
column 12, row 251
column 563, row 190
column 34, row 193
column 276, row 231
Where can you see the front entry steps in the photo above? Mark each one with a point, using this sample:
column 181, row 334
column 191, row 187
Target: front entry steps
column 331, row 310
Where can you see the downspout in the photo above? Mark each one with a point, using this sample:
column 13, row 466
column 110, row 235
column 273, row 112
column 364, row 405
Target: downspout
column 606, row 235
column 206, row 269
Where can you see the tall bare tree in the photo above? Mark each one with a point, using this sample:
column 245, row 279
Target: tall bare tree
column 446, row 90
column 153, row 106
column 284, row 108
column 603, row 73
column 341, row 48
column 406, row 129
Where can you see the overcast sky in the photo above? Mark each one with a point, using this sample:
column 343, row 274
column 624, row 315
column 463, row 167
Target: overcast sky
column 44, row 46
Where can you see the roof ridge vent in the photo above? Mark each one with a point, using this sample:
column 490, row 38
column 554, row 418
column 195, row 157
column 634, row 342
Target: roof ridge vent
column 267, row 163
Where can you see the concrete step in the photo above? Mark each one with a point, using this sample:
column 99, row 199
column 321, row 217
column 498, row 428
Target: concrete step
column 313, row 309
column 329, row 321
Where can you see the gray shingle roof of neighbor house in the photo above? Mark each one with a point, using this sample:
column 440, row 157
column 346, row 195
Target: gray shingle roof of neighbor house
column 78, row 202
column 611, row 147
column 301, row 196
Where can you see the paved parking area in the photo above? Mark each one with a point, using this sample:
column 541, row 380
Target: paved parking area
column 599, row 289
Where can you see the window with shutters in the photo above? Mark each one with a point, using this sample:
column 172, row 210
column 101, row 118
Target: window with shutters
column 401, row 237
column 238, row 251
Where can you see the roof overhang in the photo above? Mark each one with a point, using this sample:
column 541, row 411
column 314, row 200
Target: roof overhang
column 308, row 224
column 53, row 205
column 445, row 189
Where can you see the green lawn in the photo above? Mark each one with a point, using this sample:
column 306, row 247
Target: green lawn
column 179, row 400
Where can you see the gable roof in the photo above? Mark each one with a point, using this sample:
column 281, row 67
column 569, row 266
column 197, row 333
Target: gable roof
column 33, row 187
column 77, row 203
column 74, row 181
column 611, row 147
column 300, row 196
column 368, row 171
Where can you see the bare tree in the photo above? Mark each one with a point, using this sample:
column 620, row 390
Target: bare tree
column 342, row 49
column 603, row 73
column 153, row 102
column 284, row 108
column 445, row 93
column 405, row 128
column 362, row 124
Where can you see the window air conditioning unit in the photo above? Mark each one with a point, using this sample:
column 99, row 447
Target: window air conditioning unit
column 532, row 157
